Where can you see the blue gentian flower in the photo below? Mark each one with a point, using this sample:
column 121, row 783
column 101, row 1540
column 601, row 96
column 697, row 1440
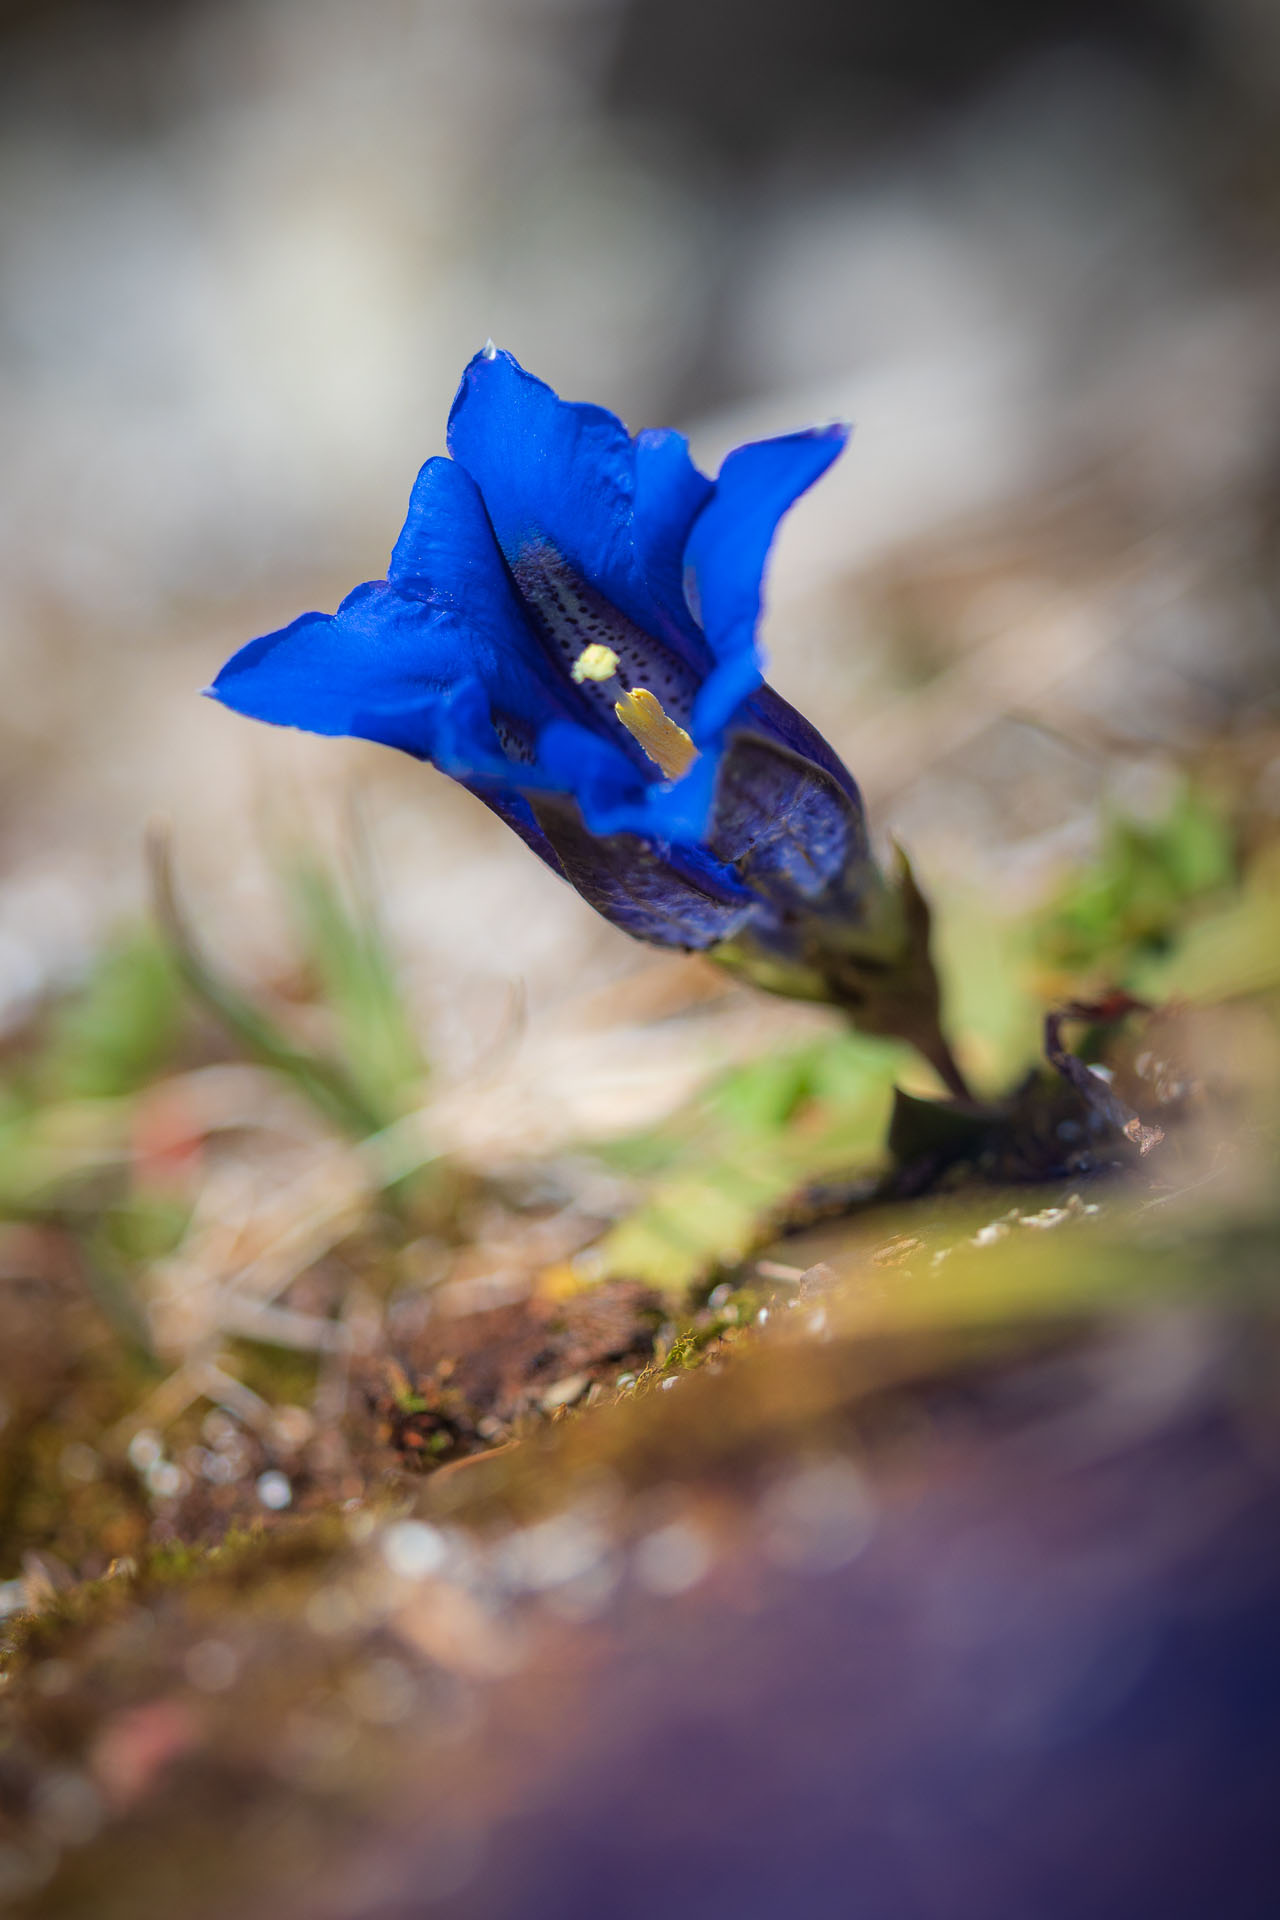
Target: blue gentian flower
column 568, row 628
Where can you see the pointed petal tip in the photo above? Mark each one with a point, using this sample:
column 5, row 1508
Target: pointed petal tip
column 485, row 374
column 219, row 692
column 487, row 357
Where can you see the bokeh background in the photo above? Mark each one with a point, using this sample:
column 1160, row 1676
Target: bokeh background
column 247, row 246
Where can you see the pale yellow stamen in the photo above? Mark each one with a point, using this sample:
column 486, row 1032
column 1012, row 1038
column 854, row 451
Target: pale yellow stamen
column 595, row 663
column 666, row 744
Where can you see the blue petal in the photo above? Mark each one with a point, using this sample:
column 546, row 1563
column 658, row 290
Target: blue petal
column 729, row 546
column 614, row 799
column 320, row 672
column 447, row 559
column 790, row 829
column 448, row 617
column 768, row 714
column 669, row 899
column 570, row 478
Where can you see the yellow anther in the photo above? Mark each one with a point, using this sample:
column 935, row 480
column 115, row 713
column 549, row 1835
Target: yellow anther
column 595, row 663
column 666, row 744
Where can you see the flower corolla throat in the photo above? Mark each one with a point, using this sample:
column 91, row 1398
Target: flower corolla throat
column 642, row 714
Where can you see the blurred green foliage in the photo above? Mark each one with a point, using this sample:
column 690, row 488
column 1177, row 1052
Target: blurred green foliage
column 52, row 1149
column 1162, row 910
column 719, row 1170
column 1229, row 953
column 69, row 1094
column 1130, row 904
column 362, row 1084
column 343, row 944
column 122, row 1028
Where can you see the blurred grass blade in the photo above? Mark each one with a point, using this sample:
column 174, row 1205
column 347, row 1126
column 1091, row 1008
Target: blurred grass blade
column 346, row 951
column 121, row 1029
column 324, row 1082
